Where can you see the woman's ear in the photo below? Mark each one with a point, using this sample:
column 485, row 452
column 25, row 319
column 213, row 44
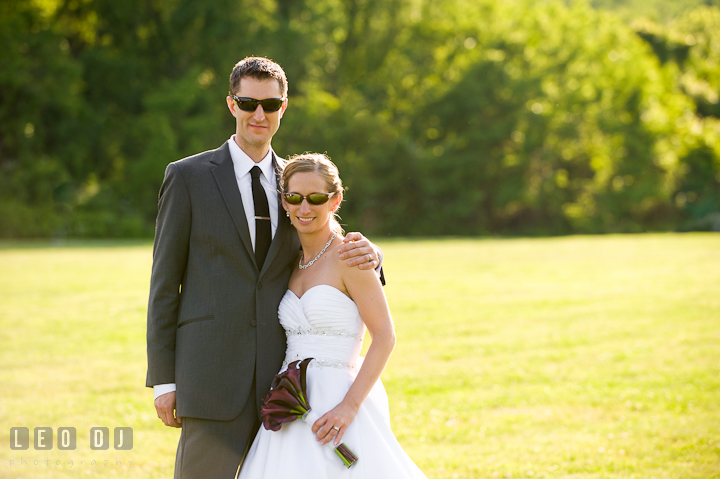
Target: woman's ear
column 338, row 200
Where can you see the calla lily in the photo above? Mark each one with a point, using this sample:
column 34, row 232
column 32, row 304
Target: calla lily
column 287, row 401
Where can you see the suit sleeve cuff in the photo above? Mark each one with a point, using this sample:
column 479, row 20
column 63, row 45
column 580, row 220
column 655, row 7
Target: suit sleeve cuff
column 161, row 389
column 379, row 269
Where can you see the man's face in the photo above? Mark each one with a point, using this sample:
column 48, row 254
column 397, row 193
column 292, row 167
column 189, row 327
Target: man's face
column 255, row 129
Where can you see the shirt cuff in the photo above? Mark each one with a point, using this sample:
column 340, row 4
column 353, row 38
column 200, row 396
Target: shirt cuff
column 161, row 389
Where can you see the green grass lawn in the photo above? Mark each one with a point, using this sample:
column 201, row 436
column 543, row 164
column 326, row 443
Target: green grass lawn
column 582, row 357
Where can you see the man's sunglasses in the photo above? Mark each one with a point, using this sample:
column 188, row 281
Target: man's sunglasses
column 251, row 104
column 313, row 199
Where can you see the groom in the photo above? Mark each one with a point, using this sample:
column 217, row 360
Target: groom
column 221, row 262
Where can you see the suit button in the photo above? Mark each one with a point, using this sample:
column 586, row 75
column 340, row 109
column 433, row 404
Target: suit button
column 259, row 286
column 253, row 323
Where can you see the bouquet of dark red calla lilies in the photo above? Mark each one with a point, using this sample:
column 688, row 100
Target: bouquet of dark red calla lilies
column 287, row 401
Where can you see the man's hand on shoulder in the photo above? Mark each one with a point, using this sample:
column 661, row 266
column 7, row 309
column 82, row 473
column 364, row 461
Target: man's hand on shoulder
column 165, row 407
column 360, row 252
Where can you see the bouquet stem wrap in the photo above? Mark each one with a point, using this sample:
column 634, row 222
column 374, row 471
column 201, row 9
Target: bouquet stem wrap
column 343, row 452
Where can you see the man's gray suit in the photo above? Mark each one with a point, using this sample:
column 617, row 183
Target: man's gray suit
column 212, row 315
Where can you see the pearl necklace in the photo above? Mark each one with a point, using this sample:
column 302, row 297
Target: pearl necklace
column 302, row 255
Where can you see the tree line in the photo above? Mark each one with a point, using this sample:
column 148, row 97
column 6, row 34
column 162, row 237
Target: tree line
column 450, row 117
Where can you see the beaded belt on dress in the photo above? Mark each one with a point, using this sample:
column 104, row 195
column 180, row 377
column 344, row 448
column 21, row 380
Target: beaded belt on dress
column 323, row 362
column 321, row 332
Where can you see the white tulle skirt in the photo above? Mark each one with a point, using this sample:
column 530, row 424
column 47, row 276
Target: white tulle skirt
column 294, row 453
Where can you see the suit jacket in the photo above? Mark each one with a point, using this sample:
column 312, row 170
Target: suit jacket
column 212, row 325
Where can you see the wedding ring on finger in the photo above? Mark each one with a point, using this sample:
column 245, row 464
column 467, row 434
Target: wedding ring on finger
column 336, row 428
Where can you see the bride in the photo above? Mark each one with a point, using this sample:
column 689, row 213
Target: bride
column 324, row 313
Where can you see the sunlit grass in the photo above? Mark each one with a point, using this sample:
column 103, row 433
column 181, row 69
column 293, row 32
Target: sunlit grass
column 583, row 357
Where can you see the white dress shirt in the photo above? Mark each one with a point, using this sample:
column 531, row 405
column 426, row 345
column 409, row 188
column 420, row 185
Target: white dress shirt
column 242, row 164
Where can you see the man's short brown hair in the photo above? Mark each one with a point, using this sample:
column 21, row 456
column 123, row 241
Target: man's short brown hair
column 259, row 68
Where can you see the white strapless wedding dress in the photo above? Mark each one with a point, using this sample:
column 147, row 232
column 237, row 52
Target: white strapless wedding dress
column 325, row 324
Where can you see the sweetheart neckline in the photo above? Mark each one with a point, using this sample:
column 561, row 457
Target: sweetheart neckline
column 317, row 286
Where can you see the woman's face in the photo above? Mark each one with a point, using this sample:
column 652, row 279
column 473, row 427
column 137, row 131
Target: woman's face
column 305, row 217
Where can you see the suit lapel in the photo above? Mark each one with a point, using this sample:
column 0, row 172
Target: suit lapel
column 224, row 174
column 283, row 221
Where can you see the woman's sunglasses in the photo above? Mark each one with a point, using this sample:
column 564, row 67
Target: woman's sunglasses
column 313, row 199
column 251, row 104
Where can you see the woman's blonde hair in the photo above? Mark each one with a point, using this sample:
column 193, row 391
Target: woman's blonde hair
column 323, row 166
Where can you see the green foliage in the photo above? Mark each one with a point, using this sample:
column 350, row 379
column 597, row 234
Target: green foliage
column 41, row 155
column 450, row 117
column 691, row 45
column 554, row 130
column 658, row 10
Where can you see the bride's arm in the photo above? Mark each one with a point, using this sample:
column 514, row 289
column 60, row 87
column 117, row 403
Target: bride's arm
column 365, row 289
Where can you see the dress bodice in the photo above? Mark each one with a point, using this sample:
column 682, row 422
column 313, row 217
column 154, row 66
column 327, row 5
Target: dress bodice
column 324, row 324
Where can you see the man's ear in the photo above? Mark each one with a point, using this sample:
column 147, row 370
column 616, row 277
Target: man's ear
column 283, row 108
column 231, row 106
